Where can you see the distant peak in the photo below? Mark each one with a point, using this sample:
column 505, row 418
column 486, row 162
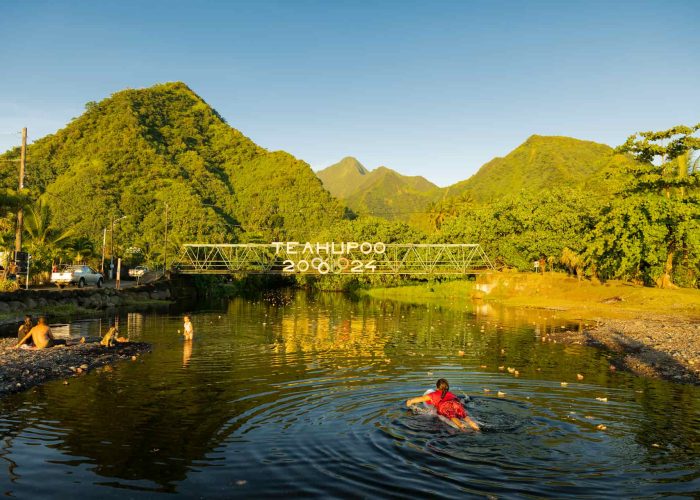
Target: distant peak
column 350, row 162
column 539, row 139
column 173, row 86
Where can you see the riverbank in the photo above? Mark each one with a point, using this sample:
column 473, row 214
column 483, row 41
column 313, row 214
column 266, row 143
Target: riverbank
column 648, row 331
column 81, row 302
column 22, row 369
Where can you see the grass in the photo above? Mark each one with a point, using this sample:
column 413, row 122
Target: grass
column 66, row 312
column 554, row 291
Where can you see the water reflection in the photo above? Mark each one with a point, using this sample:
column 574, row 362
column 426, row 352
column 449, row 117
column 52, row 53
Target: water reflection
column 186, row 352
column 307, row 391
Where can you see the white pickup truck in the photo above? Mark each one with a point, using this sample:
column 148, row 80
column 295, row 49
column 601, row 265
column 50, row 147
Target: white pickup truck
column 138, row 271
column 77, row 275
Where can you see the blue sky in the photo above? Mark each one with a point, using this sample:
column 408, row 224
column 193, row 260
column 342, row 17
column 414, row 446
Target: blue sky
column 432, row 88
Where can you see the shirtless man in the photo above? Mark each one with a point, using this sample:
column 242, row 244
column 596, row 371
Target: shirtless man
column 41, row 336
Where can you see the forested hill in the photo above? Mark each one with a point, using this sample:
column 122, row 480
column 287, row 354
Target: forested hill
column 382, row 192
column 541, row 162
column 343, row 178
column 137, row 151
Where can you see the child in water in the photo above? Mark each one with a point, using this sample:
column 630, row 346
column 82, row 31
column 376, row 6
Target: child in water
column 447, row 405
column 188, row 329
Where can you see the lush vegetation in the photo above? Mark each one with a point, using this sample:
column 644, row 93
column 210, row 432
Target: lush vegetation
column 143, row 159
column 634, row 216
column 541, row 162
column 147, row 161
column 381, row 192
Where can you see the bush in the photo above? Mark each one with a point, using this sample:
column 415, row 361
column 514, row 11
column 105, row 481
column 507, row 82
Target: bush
column 8, row 285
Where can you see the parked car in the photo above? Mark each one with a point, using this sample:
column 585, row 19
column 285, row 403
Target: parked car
column 138, row 271
column 77, row 275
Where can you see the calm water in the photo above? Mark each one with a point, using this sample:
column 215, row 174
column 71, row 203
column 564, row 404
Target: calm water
column 301, row 395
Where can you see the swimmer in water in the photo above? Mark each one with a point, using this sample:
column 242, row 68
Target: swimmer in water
column 447, row 405
column 188, row 329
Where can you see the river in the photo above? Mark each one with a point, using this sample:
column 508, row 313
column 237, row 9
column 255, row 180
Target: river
column 294, row 394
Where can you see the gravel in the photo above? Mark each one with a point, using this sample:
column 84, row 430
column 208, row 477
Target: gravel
column 660, row 347
column 21, row 369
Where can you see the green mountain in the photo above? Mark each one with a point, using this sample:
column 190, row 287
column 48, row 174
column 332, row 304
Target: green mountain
column 342, row 179
column 139, row 151
column 541, row 162
column 382, row 191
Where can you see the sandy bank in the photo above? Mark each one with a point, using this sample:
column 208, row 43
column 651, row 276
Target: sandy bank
column 649, row 331
column 21, row 369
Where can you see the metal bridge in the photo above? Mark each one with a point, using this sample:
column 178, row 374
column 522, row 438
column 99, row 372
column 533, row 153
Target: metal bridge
column 333, row 258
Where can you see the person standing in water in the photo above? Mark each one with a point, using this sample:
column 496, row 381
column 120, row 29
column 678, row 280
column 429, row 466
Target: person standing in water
column 447, row 405
column 188, row 328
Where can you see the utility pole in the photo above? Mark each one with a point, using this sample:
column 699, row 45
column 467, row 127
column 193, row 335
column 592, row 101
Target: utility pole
column 112, row 220
column 104, row 244
column 20, row 212
column 165, row 250
column 111, row 247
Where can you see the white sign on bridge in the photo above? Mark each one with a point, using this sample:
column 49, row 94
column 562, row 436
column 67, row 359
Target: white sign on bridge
column 293, row 257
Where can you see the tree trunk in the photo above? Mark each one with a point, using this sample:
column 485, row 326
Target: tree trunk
column 665, row 280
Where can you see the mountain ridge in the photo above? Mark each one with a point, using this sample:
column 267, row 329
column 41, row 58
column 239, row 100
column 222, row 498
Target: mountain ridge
column 382, row 191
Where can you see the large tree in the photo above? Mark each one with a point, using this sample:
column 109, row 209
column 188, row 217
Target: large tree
column 653, row 225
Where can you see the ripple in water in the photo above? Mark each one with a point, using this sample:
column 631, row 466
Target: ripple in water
column 305, row 395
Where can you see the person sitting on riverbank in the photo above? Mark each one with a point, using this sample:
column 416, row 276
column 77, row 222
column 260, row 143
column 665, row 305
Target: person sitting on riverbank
column 447, row 405
column 41, row 336
column 25, row 328
column 188, row 328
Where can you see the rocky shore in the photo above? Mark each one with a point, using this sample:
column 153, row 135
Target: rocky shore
column 664, row 347
column 14, row 305
column 21, row 369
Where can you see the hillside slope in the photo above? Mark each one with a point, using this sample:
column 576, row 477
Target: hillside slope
column 541, row 162
column 343, row 178
column 382, row 191
column 388, row 194
column 138, row 151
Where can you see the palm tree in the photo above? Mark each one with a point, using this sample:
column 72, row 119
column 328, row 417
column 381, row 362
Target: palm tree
column 40, row 227
column 83, row 248
column 46, row 242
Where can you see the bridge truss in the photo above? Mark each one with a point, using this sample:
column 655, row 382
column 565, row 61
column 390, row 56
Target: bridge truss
column 395, row 259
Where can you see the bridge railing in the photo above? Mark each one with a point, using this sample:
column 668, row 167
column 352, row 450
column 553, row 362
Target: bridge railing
column 332, row 258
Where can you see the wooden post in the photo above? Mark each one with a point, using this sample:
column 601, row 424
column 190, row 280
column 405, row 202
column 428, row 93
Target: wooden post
column 20, row 212
column 104, row 243
column 26, row 283
column 111, row 248
column 119, row 272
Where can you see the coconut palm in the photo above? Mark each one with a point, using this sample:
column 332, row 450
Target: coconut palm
column 83, row 248
column 45, row 241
